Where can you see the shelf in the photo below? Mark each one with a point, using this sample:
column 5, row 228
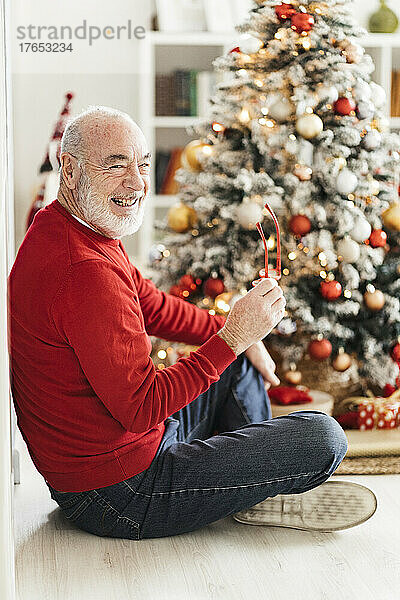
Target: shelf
column 195, row 38
column 164, row 200
column 175, row 122
column 380, row 40
column 395, row 122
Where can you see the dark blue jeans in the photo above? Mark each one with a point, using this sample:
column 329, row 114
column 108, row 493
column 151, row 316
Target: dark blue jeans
column 197, row 477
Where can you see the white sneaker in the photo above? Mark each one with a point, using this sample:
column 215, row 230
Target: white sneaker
column 332, row 506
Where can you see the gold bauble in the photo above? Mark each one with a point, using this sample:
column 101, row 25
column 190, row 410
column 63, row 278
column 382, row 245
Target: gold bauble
column 374, row 300
column 181, row 217
column 309, row 126
column 192, row 153
column 342, row 362
column 293, row 377
column 391, row 216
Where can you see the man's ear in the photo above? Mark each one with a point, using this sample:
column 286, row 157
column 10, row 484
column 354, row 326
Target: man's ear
column 70, row 170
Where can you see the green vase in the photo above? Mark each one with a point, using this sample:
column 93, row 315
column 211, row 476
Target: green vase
column 384, row 20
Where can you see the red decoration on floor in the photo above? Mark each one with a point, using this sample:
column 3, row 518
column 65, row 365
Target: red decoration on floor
column 300, row 225
column 302, row 22
column 285, row 11
column 344, row 106
column 320, row 349
column 378, row 238
column 330, row 290
column 288, row 395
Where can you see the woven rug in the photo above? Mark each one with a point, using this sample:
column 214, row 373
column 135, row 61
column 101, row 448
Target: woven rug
column 373, row 452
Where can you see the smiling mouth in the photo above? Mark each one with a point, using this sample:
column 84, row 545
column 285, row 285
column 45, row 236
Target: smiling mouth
column 125, row 201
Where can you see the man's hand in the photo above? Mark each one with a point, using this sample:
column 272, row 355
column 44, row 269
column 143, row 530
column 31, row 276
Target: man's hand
column 259, row 356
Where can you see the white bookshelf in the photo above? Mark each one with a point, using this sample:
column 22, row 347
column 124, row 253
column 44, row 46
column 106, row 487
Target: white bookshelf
column 163, row 52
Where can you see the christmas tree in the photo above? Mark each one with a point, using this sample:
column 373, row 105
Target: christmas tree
column 299, row 124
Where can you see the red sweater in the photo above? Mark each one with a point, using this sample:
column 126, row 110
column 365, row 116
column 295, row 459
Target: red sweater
column 90, row 404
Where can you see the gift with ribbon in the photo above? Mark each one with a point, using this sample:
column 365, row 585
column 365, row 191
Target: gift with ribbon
column 369, row 412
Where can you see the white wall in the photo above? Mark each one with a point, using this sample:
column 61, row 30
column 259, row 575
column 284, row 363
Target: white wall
column 105, row 73
column 364, row 8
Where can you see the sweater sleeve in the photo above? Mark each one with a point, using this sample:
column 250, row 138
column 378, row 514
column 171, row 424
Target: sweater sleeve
column 98, row 314
column 172, row 318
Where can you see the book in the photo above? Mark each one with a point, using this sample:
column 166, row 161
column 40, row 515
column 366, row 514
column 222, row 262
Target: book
column 169, row 185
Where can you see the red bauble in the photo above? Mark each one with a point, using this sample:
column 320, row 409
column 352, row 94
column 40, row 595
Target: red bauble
column 320, row 349
column 330, row 290
column 188, row 283
column 213, row 287
column 344, row 106
column 302, row 22
column 285, row 11
column 299, row 225
column 395, row 353
column 176, row 290
column 378, row 238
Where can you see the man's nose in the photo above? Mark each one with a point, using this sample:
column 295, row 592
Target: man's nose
column 133, row 179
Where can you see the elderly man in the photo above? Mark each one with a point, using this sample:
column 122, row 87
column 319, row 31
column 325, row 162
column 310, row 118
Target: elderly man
column 128, row 451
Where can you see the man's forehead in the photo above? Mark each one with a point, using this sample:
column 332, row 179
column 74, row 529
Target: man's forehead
column 113, row 140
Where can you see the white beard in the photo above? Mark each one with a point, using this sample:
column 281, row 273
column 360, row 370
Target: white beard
column 96, row 213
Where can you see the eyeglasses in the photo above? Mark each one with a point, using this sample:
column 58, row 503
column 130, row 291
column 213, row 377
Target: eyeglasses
column 266, row 272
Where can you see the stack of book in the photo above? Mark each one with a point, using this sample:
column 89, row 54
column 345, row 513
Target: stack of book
column 395, row 100
column 185, row 92
column 167, row 163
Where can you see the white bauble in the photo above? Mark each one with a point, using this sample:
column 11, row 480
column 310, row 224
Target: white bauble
column 361, row 230
column 378, row 94
column 349, row 250
column 365, row 110
column 309, row 126
column 248, row 213
column 362, row 91
column 346, row 182
column 250, row 44
column 281, row 110
column 372, row 140
column 328, row 93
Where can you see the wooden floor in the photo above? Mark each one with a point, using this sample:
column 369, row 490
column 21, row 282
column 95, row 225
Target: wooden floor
column 226, row 560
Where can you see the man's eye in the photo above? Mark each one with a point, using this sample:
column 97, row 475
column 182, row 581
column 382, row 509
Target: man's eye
column 145, row 165
column 117, row 167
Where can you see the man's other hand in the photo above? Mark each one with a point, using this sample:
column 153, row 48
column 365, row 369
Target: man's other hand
column 260, row 358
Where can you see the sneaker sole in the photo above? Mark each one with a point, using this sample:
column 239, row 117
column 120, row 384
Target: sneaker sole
column 332, row 506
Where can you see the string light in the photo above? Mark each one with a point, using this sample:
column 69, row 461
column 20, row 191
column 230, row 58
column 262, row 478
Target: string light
column 244, row 116
column 195, row 232
column 286, row 271
column 166, row 253
column 292, row 255
column 161, row 354
column 271, row 242
column 212, row 312
column 270, row 124
column 265, row 110
column 259, row 83
column 322, row 274
column 347, row 293
column 218, row 127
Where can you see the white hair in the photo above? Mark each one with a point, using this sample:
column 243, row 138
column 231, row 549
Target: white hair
column 72, row 140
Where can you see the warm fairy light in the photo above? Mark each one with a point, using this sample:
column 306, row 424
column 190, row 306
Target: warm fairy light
column 347, row 293
column 265, row 110
column 322, row 256
column 160, row 366
column 285, row 271
column 370, row 288
column 169, row 349
column 195, row 232
column 161, row 354
column 223, row 305
column 300, row 246
column 292, row 137
column 246, row 58
column 206, row 301
column 166, row 253
column 351, row 197
column 322, row 274
column 306, row 44
column 215, row 221
column 242, row 72
column 295, row 53
column 262, row 121
column 218, row 127
column 322, row 52
column 185, row 293
column 207, row 150
column 323, row 263
column 212, row 311
column 258, row 82
column 306, row 250
column 309, row 110
column 244, row 116
column 270, row 124
column 292, row 255
column 209, row 224
column 278, row 35
column 271, row 242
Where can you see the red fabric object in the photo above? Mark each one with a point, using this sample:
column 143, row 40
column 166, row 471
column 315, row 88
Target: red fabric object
column 288, row 395
column 89, row 401
column 284, row 11
column 302, row 22
column 330, row 290
column 388, row 390
column 349, row 420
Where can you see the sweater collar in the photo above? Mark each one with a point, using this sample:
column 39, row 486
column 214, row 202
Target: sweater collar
column 83, row 227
